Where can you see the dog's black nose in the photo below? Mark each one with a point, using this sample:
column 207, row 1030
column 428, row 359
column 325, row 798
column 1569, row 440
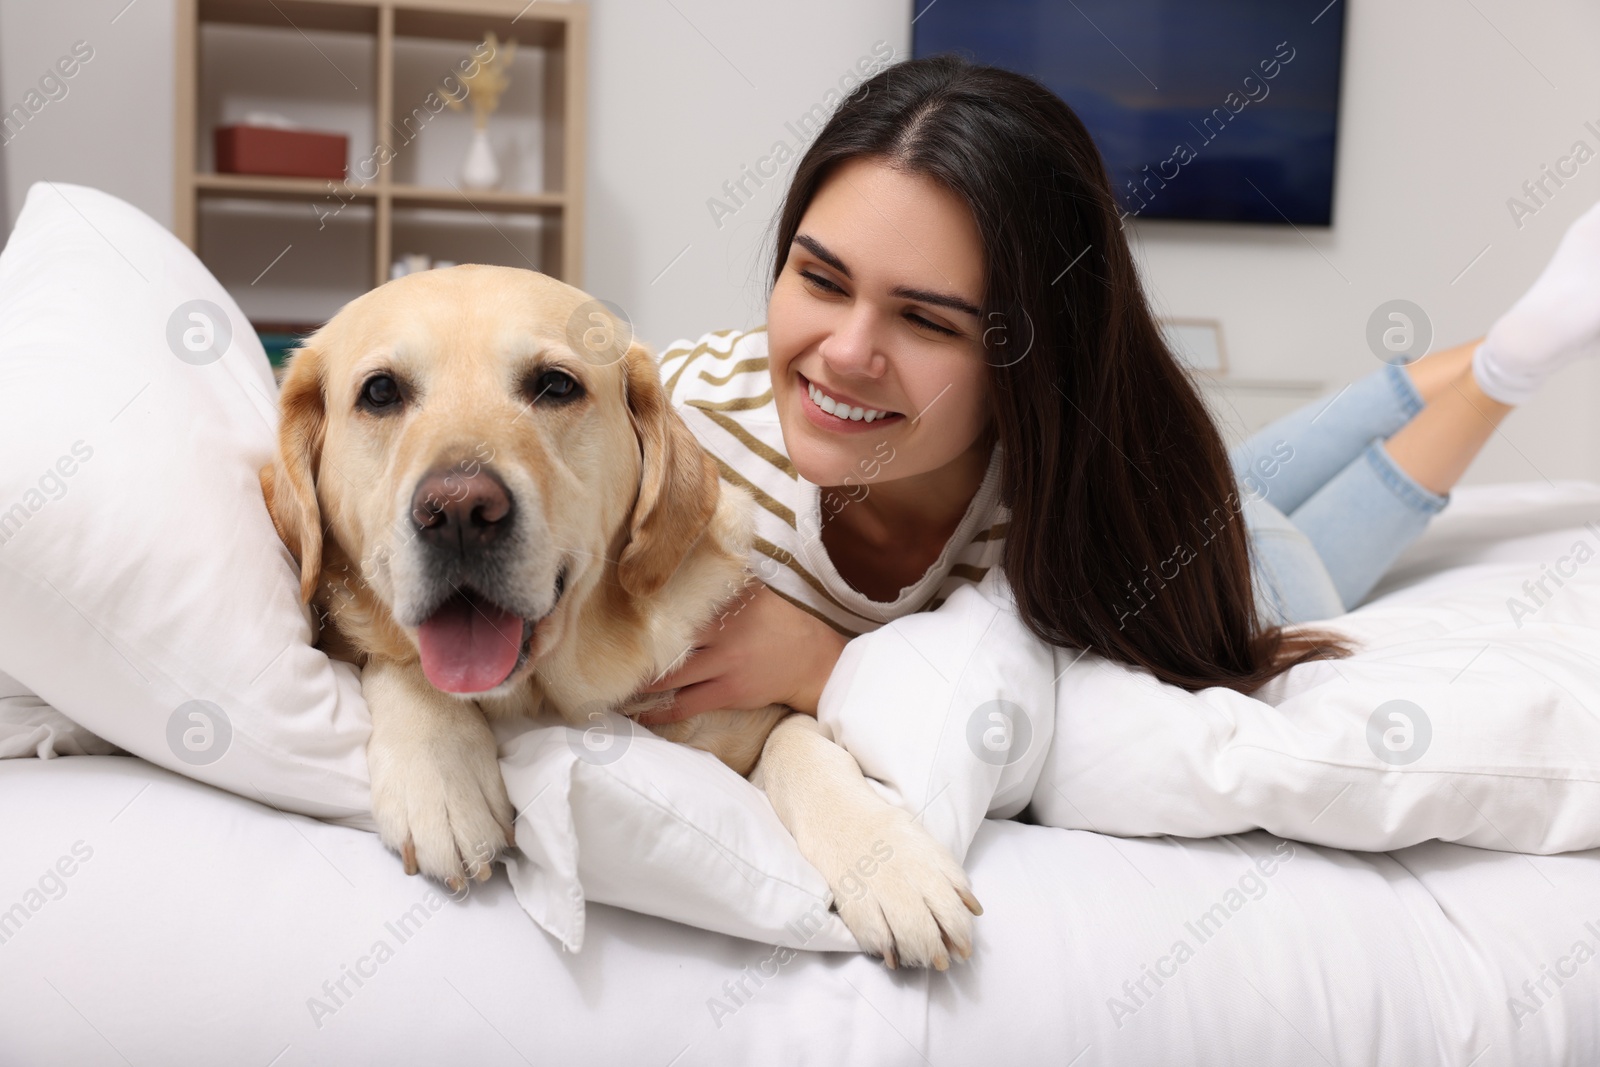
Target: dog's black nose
column 453, row 508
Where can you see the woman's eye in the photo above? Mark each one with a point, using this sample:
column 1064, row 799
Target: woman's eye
column 935, row 327
column 555, row 385
column 821, row 282
column 381, row 391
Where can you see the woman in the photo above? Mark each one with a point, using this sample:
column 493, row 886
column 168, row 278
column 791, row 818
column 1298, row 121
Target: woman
column 958, row 347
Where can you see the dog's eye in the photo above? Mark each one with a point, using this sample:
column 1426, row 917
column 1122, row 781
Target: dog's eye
column 380, row 392
column 554, row 385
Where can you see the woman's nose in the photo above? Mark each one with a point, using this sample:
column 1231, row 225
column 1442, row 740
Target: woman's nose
column 851, row 349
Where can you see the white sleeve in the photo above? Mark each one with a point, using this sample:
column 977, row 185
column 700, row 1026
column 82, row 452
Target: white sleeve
column 949, row 711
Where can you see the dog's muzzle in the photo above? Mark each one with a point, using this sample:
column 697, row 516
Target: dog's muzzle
column 476, row 619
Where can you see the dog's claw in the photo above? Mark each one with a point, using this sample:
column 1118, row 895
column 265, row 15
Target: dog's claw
column 484, row 872
column 409, row 855
column 954, row 950
column 454, row 883
column 970, row 901
column 889, row 960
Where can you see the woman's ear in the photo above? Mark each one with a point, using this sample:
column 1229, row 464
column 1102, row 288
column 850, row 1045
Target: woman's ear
column 289, row 484
column 678, row 485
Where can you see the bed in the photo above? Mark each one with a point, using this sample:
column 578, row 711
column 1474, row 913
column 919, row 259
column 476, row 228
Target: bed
column 201, row 927
column 168, row 909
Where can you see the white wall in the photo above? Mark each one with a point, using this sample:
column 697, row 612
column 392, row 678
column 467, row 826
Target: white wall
column 1448, row 108
column 113, row 128
column 685, row 95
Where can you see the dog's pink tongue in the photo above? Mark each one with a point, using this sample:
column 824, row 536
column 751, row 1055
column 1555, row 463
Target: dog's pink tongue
column 468, row 646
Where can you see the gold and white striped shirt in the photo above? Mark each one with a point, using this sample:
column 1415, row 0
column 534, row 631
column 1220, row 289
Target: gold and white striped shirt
column 720, row 385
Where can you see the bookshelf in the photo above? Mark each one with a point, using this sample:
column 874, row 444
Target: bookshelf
column 293, row 250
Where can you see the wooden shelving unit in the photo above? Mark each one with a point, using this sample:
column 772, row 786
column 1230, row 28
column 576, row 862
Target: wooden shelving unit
column 345, row 58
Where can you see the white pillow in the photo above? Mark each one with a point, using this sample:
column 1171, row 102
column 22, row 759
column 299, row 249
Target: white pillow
column 143, row 574
column 618, row 815
column 143, row 591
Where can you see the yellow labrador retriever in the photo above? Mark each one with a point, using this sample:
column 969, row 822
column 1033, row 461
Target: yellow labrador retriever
column 495, row 523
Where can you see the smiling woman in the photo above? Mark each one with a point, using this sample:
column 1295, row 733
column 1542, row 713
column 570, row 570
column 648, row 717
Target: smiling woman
column 960, row 381
column 955, row 314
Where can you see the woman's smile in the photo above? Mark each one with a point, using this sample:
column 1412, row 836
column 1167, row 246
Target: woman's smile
column 837, row 412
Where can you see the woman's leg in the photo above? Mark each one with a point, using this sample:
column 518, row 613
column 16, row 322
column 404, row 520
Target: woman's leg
column 1291, row 582
column 1434, row 373
column 1436, row 447
column 1369, row 512
column 1292, row 457
column 1294, row 580
column 1362, row 513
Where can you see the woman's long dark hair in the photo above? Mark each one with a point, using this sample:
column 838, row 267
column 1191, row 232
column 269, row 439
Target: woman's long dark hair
column 1125, row 535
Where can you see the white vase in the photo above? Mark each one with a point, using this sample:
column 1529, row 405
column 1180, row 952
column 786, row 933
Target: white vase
column 480, row 171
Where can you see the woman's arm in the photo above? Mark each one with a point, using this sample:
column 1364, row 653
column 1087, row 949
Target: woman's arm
column 762, row 650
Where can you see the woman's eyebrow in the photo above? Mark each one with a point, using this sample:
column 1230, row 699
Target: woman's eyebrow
column 942, row 299
column 818, row 249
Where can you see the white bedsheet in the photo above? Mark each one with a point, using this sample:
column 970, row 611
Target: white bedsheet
column 202, row 926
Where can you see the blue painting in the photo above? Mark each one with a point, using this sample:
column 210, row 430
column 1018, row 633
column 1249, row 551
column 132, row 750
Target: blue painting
column 1221, row 110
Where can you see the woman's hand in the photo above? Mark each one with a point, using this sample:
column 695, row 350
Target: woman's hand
column 761, row 650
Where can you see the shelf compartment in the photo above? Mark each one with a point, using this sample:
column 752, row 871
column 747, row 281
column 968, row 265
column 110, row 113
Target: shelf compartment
column 529, row 240
column 333, row 88
column 526, row 131
column 280, row 262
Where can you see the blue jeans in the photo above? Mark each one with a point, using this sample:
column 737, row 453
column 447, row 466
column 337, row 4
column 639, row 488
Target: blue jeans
column 1327, row 509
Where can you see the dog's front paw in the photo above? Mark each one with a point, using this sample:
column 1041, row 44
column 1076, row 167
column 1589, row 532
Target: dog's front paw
column 900, row 892
column 441, row 802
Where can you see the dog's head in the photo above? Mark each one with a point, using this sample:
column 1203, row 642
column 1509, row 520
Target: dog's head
column 487, row 447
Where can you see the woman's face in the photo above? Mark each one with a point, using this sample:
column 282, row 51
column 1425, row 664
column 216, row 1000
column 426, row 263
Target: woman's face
column 879, row 308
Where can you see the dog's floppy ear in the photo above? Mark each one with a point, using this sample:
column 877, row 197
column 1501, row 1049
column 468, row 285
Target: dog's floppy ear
column 678, row 486
column 289, row 485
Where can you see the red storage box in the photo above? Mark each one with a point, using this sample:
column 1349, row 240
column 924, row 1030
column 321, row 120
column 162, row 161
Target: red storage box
column 289, row 153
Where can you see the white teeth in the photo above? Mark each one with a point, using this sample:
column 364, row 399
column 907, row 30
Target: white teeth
column 841, row 410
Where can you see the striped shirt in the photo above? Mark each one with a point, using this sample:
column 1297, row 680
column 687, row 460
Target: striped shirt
column 721, row 387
